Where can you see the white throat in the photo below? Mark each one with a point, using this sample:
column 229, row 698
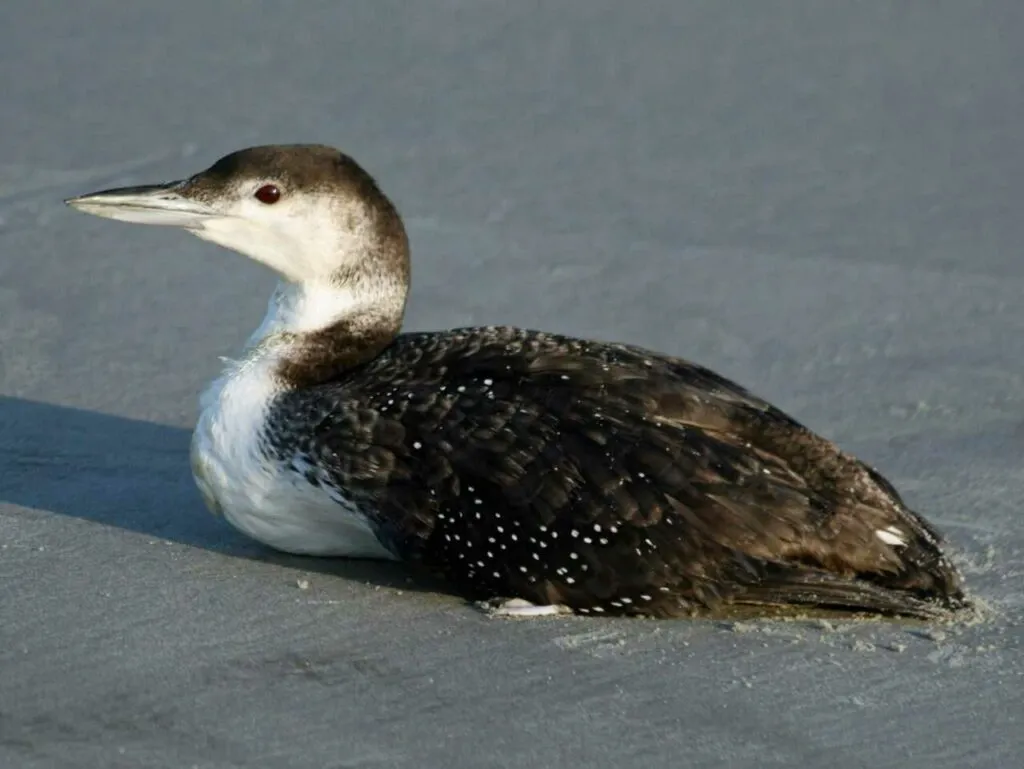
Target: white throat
column 297, row 309
column 303, row 308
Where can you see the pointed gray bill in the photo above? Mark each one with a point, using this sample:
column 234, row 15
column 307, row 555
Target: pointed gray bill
column 150, row 204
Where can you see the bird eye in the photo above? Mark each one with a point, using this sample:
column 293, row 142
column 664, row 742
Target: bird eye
column 268, row 193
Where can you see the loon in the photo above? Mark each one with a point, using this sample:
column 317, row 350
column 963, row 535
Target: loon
column 535, row 473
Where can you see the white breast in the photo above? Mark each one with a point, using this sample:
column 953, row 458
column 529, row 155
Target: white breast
column 259, row 495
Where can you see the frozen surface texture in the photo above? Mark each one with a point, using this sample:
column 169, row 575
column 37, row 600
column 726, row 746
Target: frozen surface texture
column 821, row 200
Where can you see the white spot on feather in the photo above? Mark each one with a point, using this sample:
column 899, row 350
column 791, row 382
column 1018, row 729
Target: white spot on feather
column 892, row 536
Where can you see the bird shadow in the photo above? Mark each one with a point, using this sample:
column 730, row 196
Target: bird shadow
column 134, row 475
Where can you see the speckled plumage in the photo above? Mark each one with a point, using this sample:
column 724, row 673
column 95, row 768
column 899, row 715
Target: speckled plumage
column 603, row 477
column 517, row 464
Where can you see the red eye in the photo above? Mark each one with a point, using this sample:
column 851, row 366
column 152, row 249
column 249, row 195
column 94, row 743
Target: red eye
column 268, row 193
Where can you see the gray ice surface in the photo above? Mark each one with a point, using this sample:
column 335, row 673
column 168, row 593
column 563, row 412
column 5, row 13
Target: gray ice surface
column 824, row 201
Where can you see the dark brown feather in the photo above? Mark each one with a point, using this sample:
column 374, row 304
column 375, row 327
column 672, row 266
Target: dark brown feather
column 607, row 478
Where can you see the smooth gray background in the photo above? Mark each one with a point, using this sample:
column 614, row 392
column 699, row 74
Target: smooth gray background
column 821, row 200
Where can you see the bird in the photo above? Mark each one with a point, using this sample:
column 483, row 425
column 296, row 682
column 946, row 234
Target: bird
column 535, row 473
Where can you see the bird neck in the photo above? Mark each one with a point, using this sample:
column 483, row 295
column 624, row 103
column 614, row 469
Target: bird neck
column 317, row 330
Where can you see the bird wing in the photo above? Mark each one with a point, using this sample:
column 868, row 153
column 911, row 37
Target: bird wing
column 520, row 457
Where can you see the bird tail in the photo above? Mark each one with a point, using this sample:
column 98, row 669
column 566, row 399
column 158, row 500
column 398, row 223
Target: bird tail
column 781, row 584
